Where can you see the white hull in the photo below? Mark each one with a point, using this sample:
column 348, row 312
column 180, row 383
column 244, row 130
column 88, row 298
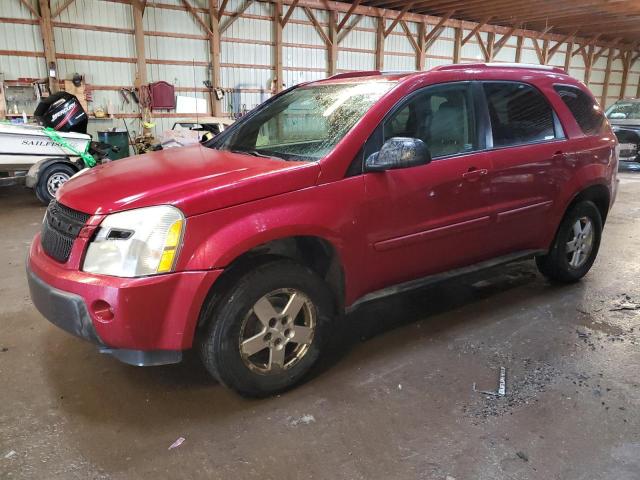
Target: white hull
column 26, row 145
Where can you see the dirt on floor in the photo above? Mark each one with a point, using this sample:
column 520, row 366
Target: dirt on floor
column 394, row 400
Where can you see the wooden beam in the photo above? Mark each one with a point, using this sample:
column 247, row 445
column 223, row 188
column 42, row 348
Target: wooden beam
column 607, row 76
column 138, row 32
column 476, row 29
column 346, row 17
column 536, row 46
column 503, row 41
column 435, row 32
column 380, row 44
column 61, row 8
column 214, row 54
column 420, row 46
column 626, row 66
column 220, row 11
column 196, row 17
column 556, row 47
column 491, row 40
column 395, row 22
column 277, row 34
column 333, row 43
column 345, row 31
column 410, row 36
column 485, row 52
column 33, row 11
column 46, row 29
column 545, row 51
column 568, row 55
column 457, row 45
column 235, row 15
column 588, row 64
column 283, row 21
column 317, row 26
column 519, row 44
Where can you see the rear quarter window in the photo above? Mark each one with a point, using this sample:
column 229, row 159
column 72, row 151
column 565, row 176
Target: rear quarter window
column 585, row 109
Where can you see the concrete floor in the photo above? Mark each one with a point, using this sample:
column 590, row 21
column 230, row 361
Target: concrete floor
column 394, row 402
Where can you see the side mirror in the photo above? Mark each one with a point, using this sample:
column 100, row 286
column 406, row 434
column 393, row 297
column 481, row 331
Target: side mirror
column 398, row 152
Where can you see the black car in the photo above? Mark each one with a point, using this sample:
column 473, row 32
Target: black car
column 624, row 116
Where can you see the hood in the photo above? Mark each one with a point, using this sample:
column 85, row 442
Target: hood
column 195, row 179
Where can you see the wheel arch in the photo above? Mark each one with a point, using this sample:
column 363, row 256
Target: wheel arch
column 315, row 252
column 597, row 193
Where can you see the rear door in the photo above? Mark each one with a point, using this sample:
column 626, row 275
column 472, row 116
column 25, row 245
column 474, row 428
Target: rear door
column 430, row 218
column 528, row 151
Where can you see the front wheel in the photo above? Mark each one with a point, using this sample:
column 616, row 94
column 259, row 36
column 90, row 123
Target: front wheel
column 267, row 331
column 576, row 244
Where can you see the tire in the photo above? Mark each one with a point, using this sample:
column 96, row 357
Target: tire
column 563, row 263
column 278, row 362
column 56, row 174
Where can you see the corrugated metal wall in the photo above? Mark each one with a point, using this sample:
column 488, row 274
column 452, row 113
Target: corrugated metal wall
column 177, row 51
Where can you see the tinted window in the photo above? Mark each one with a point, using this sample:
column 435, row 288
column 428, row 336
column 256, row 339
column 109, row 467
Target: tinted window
column 519, row 114
column 584, row 108
column 442, row 117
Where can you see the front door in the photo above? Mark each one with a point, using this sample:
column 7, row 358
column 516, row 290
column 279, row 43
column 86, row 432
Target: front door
column 430, row 218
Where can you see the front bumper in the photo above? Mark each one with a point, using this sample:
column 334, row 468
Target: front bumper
column 141, row 321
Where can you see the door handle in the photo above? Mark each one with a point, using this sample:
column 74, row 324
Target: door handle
column 474, row 173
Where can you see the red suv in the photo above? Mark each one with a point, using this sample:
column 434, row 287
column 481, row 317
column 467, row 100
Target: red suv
column 328, row 195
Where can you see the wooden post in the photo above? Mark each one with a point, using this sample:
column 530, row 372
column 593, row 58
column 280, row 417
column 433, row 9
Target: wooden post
column 214, row 54
column 277, row 33
column 457, row 45
column 607, row 74
column 626, row 66
column 491, row 40
column 567, row 57
column 588, row 64
column 519, row 42
column 46, row 29
column 545, row 51
column 333, row 42
column 380, row 44
column 420, row 53
column 138, row 30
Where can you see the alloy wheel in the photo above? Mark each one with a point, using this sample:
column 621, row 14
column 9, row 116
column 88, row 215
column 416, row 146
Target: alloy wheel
column 580, row 242
column 277, row 332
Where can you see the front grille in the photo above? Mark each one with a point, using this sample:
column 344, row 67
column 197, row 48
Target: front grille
column 60, row 228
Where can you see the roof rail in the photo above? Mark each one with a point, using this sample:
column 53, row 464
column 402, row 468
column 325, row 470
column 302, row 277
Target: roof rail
column 528, row 66
column 361, row 73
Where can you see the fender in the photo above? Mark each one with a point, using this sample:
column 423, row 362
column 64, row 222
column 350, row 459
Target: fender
column 330, row 212
column 33, row 174
column 589, row 176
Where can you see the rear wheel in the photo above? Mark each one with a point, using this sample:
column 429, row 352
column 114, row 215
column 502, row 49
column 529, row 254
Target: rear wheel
column 267, row 331
column 51, row 179
column 576, row 245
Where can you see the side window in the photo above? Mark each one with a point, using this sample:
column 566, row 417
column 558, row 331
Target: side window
column 519, row 114
column 585, row 110
column 441, row 116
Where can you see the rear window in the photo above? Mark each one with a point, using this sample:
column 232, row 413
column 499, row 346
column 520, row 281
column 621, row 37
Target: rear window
column 519, row 114
column 584, row 108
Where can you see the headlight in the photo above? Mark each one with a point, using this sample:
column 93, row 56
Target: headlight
column 136, row 243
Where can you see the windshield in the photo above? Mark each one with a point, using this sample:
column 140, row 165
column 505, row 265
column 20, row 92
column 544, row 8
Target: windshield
column 305, row 123
column 624, row 110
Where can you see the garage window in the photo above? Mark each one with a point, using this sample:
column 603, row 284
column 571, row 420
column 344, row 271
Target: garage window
column 584, row 108
column 519, row 114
